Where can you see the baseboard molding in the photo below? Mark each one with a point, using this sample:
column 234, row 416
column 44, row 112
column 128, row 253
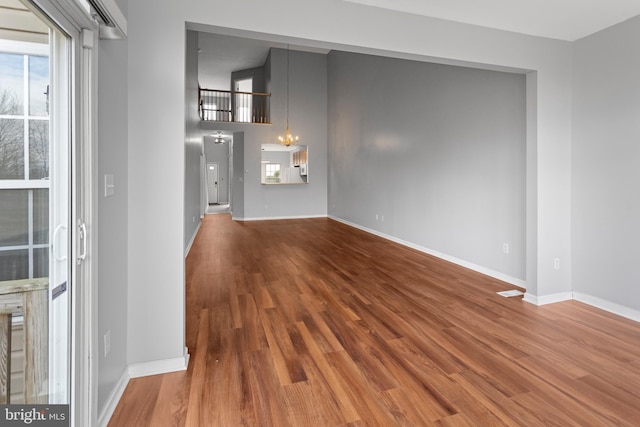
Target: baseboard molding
column 193, row 238
column 531, row 299
column 113, row 399
column 609, row 306
column 137, row 370
column 268, row 218
column 156, row 367
column 547, row 299
column 483, row 270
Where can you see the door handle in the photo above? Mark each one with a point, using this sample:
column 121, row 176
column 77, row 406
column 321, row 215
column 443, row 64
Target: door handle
column 54, row 243
column 82, row 234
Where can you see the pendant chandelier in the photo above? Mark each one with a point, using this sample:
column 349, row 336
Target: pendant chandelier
column 219, row 139
column 288, row 139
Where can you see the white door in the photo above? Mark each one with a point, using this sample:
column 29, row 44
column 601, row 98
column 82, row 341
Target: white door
column 212, row 182
column 244, row 100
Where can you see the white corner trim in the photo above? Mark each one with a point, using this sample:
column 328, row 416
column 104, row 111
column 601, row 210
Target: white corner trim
column 530, row 298
column 156, row 367
column 483, row 270
column 609, row 306
column 268, row 218
column 113, row 399
column 193, row 238
column 140, row 370
column 547, row 299
column 187, row 357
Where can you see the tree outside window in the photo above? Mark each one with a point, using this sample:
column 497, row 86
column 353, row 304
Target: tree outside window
column 24, row 165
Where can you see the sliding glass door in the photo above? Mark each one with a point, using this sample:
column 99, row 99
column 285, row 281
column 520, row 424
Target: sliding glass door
column 38, row 232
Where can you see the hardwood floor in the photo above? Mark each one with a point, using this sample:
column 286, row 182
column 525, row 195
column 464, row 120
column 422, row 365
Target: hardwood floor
column 313, row 323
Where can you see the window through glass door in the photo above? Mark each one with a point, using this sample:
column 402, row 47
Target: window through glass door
column 34, row 209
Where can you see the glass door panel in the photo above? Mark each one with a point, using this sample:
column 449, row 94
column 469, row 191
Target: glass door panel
column 34, row 211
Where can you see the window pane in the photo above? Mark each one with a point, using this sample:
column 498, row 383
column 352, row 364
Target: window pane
column 12, row 83
column 40, row 216
column 38, row 149
column 272, row 172
column 38, row 85
column 11, row 149
column 14, row 265
column 14, row 220
column 41, row 262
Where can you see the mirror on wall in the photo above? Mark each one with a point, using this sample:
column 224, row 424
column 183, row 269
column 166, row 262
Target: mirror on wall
column 284, row 165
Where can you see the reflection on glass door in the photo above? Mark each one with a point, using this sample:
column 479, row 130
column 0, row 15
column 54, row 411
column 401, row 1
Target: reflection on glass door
column 34, row 211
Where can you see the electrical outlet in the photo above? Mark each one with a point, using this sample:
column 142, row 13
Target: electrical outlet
column 556, row 264
column 505, row 248
column 107, row 343
column 382, row 218
column 377, row 217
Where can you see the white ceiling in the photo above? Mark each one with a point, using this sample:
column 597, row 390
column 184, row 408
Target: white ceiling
column 220, row 55
column 557, row 19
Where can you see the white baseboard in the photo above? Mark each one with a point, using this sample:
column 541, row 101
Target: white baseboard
column 156, row 367
column 193, row 238
column 268, row 218
column 113, row 399
column 547, row 299
column 609, row 306
column 531, row 299
column 486, row 271
column 140, row 370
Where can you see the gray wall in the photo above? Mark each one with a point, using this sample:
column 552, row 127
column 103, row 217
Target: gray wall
column 307, row 118
column 156, row 237
column 258, row 78
column 193, row 143
column 156, row 127
column 438, row 150
column 605, row 167
column 237, row 172
column 219, row 153
column 113, row 256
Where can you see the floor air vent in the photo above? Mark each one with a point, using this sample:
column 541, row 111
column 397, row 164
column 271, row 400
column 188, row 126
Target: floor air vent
column 512, row 293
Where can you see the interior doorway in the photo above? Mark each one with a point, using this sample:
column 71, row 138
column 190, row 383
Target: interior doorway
column 212, row 182
column 244, row 99
column 216, row 177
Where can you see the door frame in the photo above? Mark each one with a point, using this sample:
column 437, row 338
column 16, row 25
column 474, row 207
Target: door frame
column 236, row 88
column 82, row 31
column 218, row 182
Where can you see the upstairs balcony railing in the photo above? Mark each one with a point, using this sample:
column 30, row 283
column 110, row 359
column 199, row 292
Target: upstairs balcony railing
column 232, row 106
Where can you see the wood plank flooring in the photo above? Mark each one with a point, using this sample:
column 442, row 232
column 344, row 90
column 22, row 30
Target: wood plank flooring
column 314, row 323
